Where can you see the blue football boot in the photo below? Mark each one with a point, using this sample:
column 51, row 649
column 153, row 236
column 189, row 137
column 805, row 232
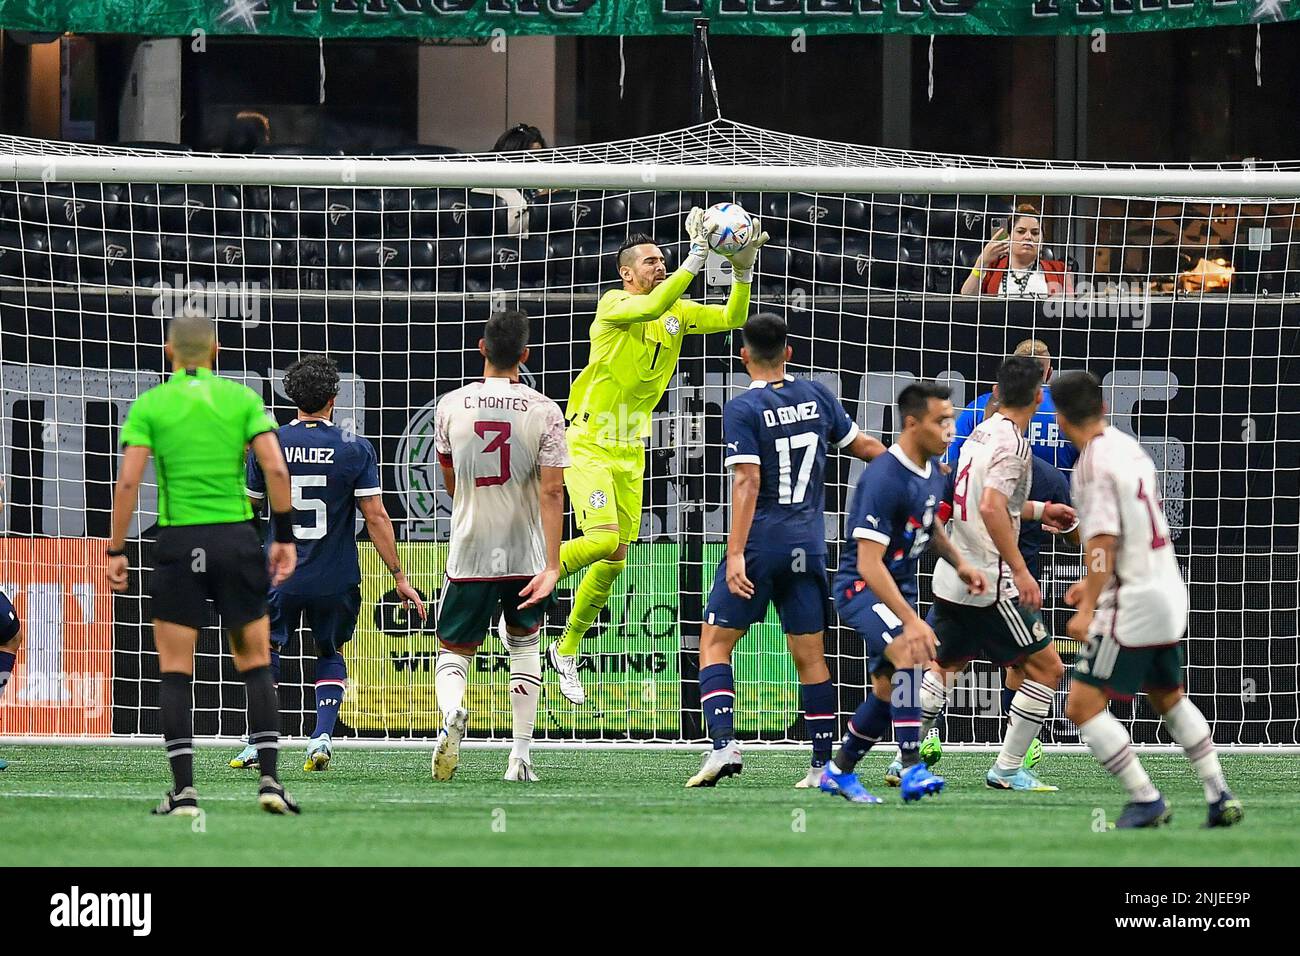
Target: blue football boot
column 1225, row 811
column 845, row 785
column 917, row 782
column 1137, row 816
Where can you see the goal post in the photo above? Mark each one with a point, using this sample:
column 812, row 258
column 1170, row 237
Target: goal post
column 1183, row 285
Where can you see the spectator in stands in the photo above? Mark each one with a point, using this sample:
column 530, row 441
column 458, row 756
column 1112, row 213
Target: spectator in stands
column 521, row 136
column 249, row 132
column 1012, row 265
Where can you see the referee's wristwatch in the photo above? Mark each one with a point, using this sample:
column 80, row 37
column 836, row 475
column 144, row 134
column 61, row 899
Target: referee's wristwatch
column 111, row 553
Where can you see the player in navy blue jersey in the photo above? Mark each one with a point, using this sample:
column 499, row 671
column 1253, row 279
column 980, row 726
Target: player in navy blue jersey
column 1043, row 434
column 1050, row 487
column 11, row 635
column 777, row 433
column 333, row 472
column 891, row 522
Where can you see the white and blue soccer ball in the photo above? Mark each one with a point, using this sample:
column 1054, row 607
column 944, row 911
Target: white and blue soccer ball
column 728, row 228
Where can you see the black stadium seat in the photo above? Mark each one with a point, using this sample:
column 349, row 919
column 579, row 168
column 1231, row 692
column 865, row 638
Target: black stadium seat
column 492, row 264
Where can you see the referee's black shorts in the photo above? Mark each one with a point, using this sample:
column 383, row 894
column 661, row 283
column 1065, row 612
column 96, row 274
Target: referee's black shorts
column 221, row 563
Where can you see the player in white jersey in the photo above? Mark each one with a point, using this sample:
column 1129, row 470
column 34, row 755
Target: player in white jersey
column 503, row 454
column 1131, row 609
column 1002, row 625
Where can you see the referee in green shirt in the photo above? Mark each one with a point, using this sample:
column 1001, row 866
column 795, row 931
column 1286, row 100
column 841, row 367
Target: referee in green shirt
column 198, row 427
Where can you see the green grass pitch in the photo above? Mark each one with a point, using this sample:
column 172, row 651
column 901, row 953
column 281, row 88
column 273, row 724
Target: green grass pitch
column 90, row 806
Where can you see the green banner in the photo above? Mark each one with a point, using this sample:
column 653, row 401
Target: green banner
column 488, row 18
column 628, row 663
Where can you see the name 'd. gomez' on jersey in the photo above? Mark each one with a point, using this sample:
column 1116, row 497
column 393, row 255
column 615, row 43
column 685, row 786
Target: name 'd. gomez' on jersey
column 790, row 414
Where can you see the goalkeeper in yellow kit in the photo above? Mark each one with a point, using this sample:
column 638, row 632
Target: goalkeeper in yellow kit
column 636, row 338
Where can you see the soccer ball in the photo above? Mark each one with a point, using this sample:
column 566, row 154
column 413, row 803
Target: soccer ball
column 728, row 228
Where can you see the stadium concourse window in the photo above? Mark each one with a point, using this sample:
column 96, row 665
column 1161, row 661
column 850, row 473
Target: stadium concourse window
column 1191, row 95
column 826, row 87
column 993, row 96
column 370, row 102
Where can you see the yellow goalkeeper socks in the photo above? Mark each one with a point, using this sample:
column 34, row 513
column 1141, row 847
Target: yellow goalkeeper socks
column 594, row 545
column 590, row 597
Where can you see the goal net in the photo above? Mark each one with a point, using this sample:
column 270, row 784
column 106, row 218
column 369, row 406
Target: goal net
column 1179, row 280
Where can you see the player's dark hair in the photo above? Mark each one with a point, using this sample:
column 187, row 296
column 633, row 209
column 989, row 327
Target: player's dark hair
column 505, row 337
column 311, row 382
column 764, row 334
column 631, row 242
column 1018, row 379
column 915, row 399
column 1077, row 396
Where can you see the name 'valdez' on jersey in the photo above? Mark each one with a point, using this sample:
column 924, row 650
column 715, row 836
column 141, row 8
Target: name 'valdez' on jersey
column 496, row 435
column 995, row 456
column 329, row 469
column 784, row 428
column 1117, row 492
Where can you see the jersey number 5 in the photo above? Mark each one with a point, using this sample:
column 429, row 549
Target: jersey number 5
column 498, row 443
column 318, row 527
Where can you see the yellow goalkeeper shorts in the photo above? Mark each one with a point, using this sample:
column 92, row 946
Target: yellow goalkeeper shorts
column 604, row 484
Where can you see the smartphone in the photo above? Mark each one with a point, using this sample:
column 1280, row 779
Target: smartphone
column 1000, row 234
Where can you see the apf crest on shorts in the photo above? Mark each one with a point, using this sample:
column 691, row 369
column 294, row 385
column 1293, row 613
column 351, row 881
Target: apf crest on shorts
column 598, row 499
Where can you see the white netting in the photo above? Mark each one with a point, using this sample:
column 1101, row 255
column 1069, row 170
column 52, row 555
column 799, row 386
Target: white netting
column 1181, row 304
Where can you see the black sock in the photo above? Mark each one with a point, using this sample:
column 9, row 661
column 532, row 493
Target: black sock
column 178, row 727
column 263, row 718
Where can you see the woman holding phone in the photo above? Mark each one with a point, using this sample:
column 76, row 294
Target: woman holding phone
column 1011, row 264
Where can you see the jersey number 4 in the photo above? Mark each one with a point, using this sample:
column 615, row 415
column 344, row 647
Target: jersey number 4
column 499, row 444
column 959, row 489
column 786, row 493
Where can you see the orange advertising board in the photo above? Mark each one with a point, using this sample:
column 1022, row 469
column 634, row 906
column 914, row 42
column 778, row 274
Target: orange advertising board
column 63, row 679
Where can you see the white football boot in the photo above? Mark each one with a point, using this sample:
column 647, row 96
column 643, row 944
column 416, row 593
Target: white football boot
column 566, row 668
column 520, row 771
column 724, row 762
column 446, row 755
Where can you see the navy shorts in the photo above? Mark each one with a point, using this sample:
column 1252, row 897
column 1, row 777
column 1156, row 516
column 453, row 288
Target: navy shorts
column 9, row 624
column 799, row 596
column 871, row 618
column 332, row 619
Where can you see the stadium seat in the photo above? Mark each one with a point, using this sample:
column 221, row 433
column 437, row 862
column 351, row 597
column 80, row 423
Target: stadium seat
column 298, row 213
column 537, row 270
column 593, row 266
column 187, row 210
column 492, row 264
column 26, row 255
column 65, row 205
column 116, row 258
column 586, row 209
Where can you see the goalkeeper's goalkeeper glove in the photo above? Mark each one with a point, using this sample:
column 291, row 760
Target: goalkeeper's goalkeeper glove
column 699, row 241
column 742, row 263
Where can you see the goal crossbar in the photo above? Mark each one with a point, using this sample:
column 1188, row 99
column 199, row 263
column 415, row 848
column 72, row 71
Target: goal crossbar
column 1245, row 183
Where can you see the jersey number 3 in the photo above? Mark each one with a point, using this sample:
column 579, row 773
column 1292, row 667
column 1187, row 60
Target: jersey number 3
column 499, row 443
